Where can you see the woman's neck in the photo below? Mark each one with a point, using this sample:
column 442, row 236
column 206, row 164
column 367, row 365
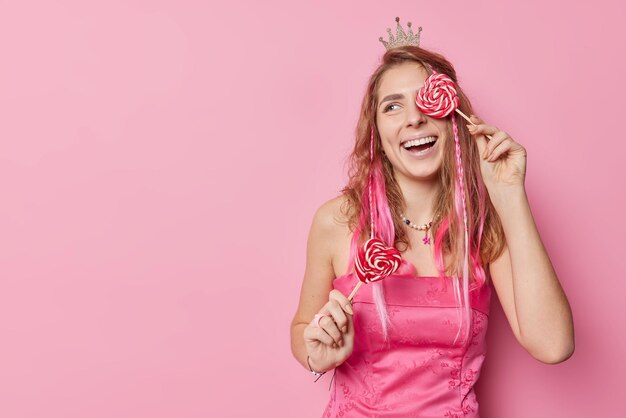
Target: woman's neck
column 419, row 198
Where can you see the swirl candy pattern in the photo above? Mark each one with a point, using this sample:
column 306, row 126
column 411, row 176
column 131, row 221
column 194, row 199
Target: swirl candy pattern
column 437, row 97
column 375, row 261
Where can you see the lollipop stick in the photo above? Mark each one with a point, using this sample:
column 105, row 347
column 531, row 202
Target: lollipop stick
column 354, row 290
column 468, row 119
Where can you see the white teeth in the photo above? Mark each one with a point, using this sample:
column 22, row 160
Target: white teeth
column 421, row 141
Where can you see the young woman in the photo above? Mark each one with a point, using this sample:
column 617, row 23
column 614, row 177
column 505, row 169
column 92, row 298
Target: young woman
column 413, row 343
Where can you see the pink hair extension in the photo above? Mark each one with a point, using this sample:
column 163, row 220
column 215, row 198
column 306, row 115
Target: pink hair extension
column 383, row 223
column 375, row 203
column 461, row 211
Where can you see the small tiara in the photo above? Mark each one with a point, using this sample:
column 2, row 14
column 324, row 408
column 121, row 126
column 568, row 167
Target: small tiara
column 401, row 38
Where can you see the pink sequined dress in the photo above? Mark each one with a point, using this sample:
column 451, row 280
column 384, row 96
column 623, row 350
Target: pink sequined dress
column 419, row 374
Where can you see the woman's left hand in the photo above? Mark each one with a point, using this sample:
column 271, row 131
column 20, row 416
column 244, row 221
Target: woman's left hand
column 505, row 165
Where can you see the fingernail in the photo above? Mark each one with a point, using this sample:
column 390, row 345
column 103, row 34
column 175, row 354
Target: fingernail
column 349, row 309
column 345, row 328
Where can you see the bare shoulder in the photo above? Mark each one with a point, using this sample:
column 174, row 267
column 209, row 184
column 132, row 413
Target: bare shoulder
column 333, row 215
column 325, row 237
column 322, row 244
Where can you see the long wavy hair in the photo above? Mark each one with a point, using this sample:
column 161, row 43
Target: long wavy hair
column 485, row 237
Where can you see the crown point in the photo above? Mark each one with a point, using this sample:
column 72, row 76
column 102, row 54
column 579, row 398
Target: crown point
column 408, row 24
column 397, row 19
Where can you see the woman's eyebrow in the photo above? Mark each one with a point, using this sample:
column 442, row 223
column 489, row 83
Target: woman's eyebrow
column 394, row 96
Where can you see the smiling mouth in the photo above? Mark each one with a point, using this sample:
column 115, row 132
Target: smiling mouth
column 419, row 146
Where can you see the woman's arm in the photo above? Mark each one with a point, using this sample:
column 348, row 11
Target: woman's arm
column 318, row 277
column 527, row 284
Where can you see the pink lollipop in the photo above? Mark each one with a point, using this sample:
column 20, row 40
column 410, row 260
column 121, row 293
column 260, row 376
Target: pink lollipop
column 437, row 98
column 375, row 261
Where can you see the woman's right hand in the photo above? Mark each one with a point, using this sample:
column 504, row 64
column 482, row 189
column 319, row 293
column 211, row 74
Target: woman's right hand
column 332, row 343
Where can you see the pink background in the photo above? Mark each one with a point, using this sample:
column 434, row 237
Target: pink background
column 161, row 162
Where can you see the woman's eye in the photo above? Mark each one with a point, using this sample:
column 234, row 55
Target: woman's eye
column 389, row 106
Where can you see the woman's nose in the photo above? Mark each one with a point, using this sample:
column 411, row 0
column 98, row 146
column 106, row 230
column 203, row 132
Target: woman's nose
column 414, row 116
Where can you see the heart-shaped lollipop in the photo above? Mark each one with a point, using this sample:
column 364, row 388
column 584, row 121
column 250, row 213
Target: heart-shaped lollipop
column 374, row 262
column 437, row 98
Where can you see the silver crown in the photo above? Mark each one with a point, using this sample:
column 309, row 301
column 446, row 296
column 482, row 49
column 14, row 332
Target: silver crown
column 401, row 38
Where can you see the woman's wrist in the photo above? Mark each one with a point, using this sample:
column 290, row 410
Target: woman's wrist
column 321, row 367
column 315, row 369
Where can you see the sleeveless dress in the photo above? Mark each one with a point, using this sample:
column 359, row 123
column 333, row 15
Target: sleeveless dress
column 418, row 373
